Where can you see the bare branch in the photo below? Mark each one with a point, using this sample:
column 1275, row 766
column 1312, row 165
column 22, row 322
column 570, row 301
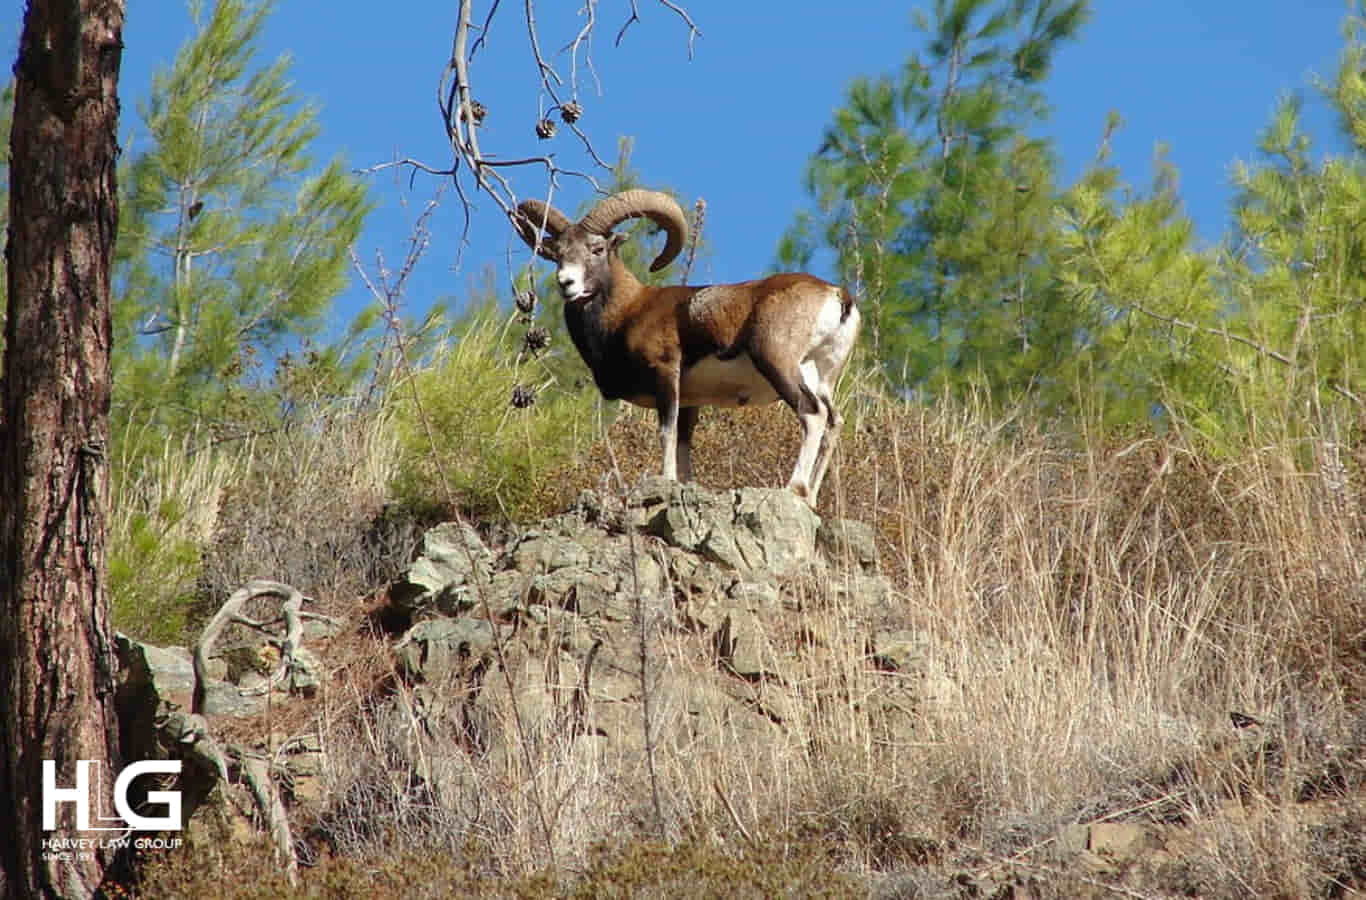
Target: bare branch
column 466, row 131
column 256, row 772
column 230, row 611
column 415, row 165
column 588, row 145
column 635, row 17
column 699, row 219
column 461, row 114
column 292, row 640
column 544, row 69
column 693, row 31
column 590, row 6
column 484, row 29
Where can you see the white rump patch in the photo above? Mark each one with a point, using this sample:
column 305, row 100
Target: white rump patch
column 831, row 339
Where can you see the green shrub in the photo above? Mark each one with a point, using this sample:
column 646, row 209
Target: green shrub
column 464, row 444
column 162, row 515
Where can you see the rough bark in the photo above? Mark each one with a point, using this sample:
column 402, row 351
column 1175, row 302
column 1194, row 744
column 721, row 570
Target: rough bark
column 56, row 656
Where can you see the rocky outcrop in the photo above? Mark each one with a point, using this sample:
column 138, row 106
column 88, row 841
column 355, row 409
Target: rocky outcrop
column 706, row 604
column 574, row 609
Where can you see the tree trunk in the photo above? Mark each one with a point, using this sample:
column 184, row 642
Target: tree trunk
column 56, row 656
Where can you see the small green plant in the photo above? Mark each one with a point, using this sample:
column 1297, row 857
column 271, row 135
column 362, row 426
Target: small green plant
column 482, row 427
column 163, row 514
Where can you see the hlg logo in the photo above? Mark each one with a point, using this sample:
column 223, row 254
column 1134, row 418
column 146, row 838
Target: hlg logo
column 126, row 820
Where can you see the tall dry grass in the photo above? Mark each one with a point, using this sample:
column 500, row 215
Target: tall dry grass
column 310, row 509
column 1100, row 606
column 1089, row 610
column 305, row 504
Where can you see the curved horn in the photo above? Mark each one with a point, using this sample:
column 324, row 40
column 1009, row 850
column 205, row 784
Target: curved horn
column 657, row 206
column 528, row 220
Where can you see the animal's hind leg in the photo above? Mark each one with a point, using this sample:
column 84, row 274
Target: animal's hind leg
column 815, row 385
column 829, row 439
column 805, row 404
column 821, row 372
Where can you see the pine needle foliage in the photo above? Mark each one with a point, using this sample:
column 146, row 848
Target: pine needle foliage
column 233, row 245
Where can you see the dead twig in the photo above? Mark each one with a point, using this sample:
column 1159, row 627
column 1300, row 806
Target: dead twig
column 256, row 773
column 699, row 219
column 456, row 104
column 734, row 816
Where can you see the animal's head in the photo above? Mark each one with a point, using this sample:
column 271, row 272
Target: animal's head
column 583, row 250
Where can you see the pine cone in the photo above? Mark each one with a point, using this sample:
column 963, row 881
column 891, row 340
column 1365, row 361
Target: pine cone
column 570, row 112
column 545, row 129
column 522, row 397
column 536, row 340
column 477, row 112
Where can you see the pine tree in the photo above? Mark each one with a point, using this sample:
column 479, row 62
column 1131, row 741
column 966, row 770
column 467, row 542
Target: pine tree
column 937, row 201
column 1258, row 339
column 57, row 660
column 233, row 249
column 6, row 118
column 1297, row 269
column 1139, row 292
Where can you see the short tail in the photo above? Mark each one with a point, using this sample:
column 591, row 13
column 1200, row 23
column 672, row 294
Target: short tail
column 846, row 303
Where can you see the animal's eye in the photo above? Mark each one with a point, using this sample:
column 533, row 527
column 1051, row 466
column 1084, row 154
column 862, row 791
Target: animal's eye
column 597, row 251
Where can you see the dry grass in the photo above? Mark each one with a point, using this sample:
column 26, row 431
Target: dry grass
column 306, row 505
column 1094, row 608
column 309, row 510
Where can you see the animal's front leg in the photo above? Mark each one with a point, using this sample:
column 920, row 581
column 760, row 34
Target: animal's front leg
column 666, row 404
column 687, row 421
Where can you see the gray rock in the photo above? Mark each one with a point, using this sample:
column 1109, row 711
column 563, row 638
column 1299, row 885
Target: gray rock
column 507, row 592
column 751, row 530
column 780, row 528
column 1103, row 843
column 744, row 578
column 549, row 552
column 154, row 682
column 849, row 541
column 306, row 674
column 165, row 674
column 695, row 580
column 899, row 651
column 452, row 553
column 743, row 646
column 762, row 597
column 911, row 654
column 435, row 650
column 320, row 629
column 869, row 592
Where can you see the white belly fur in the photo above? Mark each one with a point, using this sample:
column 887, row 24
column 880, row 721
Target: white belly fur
column 725, row 382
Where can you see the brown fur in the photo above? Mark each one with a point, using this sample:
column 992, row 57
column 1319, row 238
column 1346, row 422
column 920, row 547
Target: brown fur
column 732, row 344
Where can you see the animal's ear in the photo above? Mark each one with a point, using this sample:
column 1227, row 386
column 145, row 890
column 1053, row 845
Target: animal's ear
column 615, row 240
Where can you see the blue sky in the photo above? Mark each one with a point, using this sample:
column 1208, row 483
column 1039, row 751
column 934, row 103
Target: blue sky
column 738, row 122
